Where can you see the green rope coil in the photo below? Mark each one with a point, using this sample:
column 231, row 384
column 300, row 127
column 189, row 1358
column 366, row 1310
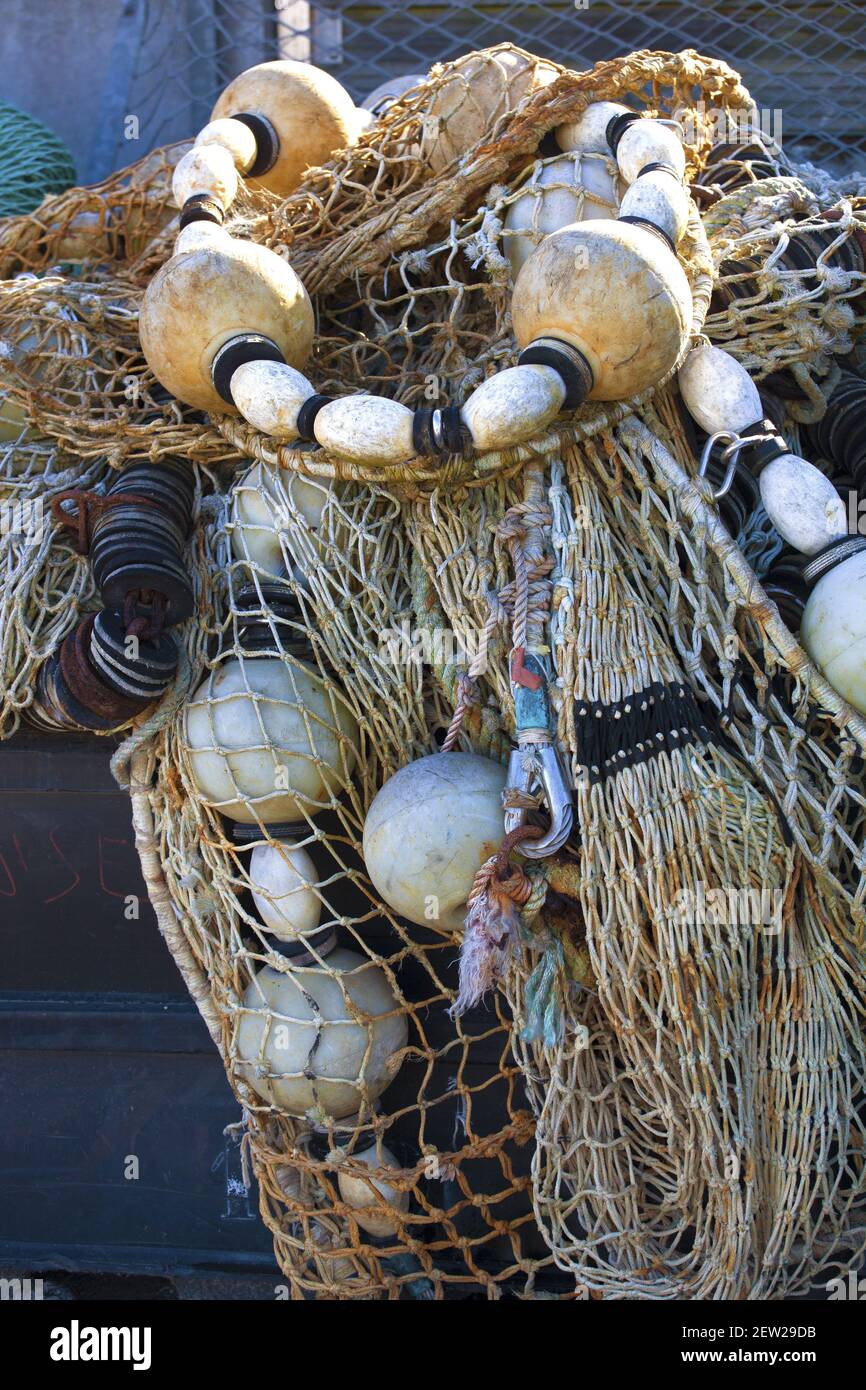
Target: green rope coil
column 33, row 162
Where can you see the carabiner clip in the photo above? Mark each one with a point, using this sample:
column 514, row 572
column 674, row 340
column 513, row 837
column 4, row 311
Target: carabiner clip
column 729, row 457
column 534, row 767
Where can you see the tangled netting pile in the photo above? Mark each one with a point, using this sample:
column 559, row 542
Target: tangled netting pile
column 650, row 1107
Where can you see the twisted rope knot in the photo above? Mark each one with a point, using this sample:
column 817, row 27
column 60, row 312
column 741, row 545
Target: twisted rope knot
column 499, row 876
column 468, row 694
column 467, row 690
column 499, row 892
column 528, row 595
column 520, row 518
column 835, row 278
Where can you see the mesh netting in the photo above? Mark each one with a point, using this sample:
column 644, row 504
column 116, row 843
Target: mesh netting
column 663, row 1099
column 25, row 178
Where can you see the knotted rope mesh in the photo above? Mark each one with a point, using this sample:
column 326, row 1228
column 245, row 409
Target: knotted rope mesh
column 663, row 1099
column 33, row 162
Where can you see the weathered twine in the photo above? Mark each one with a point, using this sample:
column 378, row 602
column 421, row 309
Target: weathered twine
column 663, row 1098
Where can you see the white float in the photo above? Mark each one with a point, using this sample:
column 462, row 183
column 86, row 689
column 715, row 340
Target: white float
column 718, row 392
column 513, row 405
column 205, row 169
column 261, row 517
column 281, row 875
column 366, row 429
column 833, row 630
column 647, row 141
column 556, row 194
column 429, row 830
column 658, row 198
column 304, row 1049
column 233, row 136
column 269, row 395
column 589, row 130
column 802, row 504
column 263, row 740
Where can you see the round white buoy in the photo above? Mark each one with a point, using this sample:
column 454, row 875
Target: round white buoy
column 263, row 740
column 306, row 1050
column 261, row 519
column 564, row 191
column 833, row 630
column 429, row 830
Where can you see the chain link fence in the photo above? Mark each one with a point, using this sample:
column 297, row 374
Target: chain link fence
column 802, row 61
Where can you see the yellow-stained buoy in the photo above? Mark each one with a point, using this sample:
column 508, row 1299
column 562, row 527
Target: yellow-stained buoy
column 368, row 1196
column 479, row 89
column 202, row 299
column 56, row 358
column 310, row 114
column 613, row 291
column 14, row 422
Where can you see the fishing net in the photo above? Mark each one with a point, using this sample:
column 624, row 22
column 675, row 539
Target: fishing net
column 33, row 162
column 663, row 1096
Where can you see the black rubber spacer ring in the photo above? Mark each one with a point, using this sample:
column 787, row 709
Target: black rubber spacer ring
column 617, row 127
column 651, row 227
column 453, row 430
column 571, row 365
column 659, row 166
column 422, row 431
column 201, row 208
column 772, row 446
column 836, row 553
column 267, row 142
column 307, row 416
column 246, row 347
